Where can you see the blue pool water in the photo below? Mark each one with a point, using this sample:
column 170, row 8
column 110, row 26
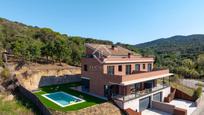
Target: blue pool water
column 63, row 99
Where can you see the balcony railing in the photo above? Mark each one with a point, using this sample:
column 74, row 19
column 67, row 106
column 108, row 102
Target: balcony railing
column 140, row 93
column 135, row 76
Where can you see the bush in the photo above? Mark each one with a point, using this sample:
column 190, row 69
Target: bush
column 1, row 62
column 5, row 73
column 198, row 92
column 175, row 78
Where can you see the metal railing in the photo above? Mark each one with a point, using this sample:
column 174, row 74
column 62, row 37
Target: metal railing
column 140, row 93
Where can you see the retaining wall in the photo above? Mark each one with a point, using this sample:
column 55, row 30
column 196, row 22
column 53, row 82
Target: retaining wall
column 27, row 94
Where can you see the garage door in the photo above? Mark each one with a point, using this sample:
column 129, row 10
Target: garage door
column 144, row 103
column 157, row 97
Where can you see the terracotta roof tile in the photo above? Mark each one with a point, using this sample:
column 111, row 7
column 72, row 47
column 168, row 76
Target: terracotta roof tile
column 107, row 50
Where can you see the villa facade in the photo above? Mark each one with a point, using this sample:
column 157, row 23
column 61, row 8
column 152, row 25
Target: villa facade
column 130, row 79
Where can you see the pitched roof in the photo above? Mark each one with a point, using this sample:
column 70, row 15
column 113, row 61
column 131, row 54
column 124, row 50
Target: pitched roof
column 107, row 50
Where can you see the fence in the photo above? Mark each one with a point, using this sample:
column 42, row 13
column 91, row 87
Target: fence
column 27, row 94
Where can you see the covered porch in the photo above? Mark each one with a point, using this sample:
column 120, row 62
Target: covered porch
column 136, row 90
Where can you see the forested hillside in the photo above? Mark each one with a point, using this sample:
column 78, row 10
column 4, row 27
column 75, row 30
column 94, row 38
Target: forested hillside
column 182, row 54
column 28, row 43
column 184, row 45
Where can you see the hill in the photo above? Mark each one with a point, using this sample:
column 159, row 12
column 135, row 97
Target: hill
column 34, row 44
column 183, row 55
column 184, row 45
column 31, row 43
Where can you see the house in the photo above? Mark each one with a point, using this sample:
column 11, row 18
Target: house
column 129, row 78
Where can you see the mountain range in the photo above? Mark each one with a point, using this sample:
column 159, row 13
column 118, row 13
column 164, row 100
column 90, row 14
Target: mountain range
column 184, row 45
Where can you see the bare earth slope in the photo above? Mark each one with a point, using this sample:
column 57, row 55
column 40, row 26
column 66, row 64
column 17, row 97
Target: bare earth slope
column 31, row 76
column 100, row 109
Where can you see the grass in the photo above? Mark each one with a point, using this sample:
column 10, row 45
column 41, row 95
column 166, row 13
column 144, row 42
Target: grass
column 17, row 106
column 187, row 90
column 89, row 100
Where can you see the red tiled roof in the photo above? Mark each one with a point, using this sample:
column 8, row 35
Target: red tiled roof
column 107, row 50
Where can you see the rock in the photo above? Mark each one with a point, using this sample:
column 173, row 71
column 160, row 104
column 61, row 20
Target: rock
column 11, row 87
column 48, row 77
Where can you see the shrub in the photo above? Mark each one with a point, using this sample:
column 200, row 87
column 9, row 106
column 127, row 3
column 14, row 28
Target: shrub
column 1, row 62
column 175, row 78
column 5, row 73
column 198, row 92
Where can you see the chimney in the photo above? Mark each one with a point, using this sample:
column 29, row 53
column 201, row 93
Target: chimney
column 113, row 47
column 129, row 55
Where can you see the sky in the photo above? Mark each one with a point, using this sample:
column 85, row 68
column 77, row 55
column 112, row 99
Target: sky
column 126, row 21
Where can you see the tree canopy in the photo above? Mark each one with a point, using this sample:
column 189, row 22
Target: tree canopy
column 29, row 43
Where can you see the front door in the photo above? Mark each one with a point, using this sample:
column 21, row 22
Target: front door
column 107, row 91
column 85, row 84
column 114, row 90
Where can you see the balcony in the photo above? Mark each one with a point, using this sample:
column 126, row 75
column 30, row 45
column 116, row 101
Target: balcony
column 137, row 77
column 138, row 94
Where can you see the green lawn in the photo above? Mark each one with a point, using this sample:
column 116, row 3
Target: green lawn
column 89, row 100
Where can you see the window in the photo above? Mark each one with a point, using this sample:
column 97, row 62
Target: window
column 137, row 67
column 110, row 70
column 85, row 68
column 137, row 86
column 149, row 67
column 128, row 69
column 120, row 68
column 143, row 66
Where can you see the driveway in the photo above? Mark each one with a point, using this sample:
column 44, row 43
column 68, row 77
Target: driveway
column 184, row 104
column 152, row 111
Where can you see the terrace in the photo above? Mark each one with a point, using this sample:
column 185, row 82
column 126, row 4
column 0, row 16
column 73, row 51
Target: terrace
column 137, row 90
column 137, row 77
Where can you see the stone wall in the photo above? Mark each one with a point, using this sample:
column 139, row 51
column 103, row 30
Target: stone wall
column 32, row 80
column 52, row 80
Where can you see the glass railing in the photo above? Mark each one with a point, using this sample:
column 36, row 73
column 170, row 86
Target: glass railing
column 140, row 93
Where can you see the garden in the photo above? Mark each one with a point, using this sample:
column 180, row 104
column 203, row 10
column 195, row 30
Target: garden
column 89, row 100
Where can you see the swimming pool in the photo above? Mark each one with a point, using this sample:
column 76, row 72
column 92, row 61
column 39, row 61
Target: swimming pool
column 63, row 99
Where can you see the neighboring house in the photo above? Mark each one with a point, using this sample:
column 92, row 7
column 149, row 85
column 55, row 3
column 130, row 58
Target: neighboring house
column 127, row 77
